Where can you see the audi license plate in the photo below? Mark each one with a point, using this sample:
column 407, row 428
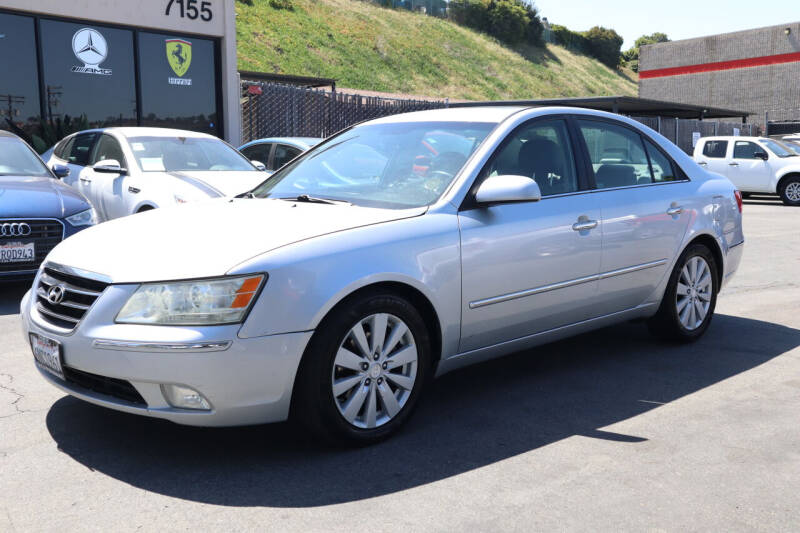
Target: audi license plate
column 17, row 252
column 47, row 354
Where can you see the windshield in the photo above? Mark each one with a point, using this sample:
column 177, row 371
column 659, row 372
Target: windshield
column 793, row 146
column 171, row 154
column 396, row 165
column 777, row 148
column 16, row 159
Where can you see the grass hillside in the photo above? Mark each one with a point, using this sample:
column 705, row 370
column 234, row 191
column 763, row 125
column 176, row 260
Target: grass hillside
column 364, row 46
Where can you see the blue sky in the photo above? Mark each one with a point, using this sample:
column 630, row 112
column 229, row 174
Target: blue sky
column 679, row 19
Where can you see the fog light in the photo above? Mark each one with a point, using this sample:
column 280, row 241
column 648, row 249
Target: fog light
column 184, row 397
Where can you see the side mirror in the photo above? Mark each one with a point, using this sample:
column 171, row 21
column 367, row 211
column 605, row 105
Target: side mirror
column 761, row 155
column 109, row 166
column 259, row 165
column 61, row 171
column 508, row 188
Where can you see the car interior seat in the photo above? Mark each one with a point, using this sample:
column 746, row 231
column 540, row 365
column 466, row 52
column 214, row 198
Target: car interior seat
column 609, row 175
column 543, row 160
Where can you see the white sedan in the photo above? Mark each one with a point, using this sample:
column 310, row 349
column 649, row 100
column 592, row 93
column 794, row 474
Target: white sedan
column 128, row 170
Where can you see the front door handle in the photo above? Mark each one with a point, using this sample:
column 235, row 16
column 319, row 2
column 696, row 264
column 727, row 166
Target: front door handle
column 703, row 164
column 734, row 164
column 86, row 180
column 584, row 224
column 675, row 210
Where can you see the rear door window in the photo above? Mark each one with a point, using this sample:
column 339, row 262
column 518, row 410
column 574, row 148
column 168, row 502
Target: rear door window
column 662, row 167
column 715, row 149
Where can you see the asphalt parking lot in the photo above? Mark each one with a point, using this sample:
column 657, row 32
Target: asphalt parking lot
column 610, row 430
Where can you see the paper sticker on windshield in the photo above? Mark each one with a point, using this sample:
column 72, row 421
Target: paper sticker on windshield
column 151, row 164
column 137, row 147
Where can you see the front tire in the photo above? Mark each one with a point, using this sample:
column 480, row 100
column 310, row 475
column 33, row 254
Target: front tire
column 364, row 370
column 790, row 191
column 691, row 296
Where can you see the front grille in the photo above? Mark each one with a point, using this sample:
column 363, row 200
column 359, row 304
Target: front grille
column 79, row 294
column 116, row 388
column 45, row 234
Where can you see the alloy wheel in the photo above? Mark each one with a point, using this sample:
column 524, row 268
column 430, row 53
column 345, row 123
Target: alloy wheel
column 374, row 371
column 695, row 289
column 792, row 191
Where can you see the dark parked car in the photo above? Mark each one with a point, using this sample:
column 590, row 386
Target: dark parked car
column 37, row 210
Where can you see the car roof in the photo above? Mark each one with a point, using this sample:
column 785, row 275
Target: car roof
column 299, row 142
column 494, row 114
column 730, row 137
column 143, row 131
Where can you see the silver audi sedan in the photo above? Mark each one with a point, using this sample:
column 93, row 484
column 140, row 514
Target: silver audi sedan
column 396, row 251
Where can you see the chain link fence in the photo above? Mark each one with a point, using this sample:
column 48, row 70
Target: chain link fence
column 273, row 110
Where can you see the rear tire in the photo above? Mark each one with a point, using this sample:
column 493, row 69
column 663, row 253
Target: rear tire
column 351, row 386
column 690, row 298
column 789, row 191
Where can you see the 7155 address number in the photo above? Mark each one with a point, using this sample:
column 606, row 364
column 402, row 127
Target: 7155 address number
column 189, row 9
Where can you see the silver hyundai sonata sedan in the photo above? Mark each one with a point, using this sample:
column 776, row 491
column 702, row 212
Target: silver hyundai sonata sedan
column 395, row 251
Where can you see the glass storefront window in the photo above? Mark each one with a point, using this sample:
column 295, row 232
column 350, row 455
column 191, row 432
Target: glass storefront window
column 178, row 82
column 88, row 71
column 19, row 83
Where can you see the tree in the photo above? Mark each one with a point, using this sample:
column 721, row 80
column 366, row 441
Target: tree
column 631, row 55
column 605, row 45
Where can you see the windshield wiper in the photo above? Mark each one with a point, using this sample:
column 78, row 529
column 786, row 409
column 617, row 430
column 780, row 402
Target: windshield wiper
column 315, row 200
column 248, row 194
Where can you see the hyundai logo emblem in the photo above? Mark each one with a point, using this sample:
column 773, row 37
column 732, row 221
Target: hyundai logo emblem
column 56, row 294
column 14, row 229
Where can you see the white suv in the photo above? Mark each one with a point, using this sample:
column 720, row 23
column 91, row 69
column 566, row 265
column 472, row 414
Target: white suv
column 753, row 164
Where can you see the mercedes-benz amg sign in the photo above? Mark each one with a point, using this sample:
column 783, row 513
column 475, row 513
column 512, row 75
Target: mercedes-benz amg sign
column 14, row 229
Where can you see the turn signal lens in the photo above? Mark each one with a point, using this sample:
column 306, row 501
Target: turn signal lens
column 192, row 303
column 738, row 195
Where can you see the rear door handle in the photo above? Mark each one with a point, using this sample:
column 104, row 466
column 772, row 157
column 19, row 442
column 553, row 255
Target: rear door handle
column 584, row 224
column 675, row 210
column 734, row 164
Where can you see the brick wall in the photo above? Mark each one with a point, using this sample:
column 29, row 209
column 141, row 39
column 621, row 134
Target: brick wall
column 732, row 85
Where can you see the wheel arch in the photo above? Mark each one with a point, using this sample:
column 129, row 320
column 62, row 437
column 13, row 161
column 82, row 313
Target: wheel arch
column 783, row 179
column 712, row 244
column 144, row 206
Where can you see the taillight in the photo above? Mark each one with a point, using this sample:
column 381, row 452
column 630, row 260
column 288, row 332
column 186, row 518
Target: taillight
column 738, row 195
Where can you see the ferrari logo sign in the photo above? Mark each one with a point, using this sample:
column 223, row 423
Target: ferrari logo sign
column 179, row 55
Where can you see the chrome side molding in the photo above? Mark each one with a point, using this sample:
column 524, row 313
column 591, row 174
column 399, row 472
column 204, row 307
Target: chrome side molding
column 564, row 284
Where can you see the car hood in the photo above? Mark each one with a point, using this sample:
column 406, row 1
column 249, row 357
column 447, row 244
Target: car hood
column 33, row 197
column 207, row 238
column 222, row 183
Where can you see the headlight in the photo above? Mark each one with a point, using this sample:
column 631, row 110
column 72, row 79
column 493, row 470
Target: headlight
column 84, row 218
column 195, row 303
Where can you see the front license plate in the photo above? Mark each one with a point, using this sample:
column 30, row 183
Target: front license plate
column 47, row 354
column 17, row 252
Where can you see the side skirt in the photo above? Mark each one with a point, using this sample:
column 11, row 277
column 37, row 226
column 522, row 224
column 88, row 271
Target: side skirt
column 529, row 341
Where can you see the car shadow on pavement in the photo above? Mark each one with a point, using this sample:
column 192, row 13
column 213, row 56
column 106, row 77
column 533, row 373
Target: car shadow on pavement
column 468, row 419
column 11, row 294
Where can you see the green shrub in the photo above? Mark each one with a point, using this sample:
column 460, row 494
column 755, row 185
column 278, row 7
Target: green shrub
column 470, row 13
column 282, row 4
column 604, row 44
column 568, row 38
column 508, row 20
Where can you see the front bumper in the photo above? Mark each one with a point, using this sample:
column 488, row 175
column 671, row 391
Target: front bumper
column 246, row 381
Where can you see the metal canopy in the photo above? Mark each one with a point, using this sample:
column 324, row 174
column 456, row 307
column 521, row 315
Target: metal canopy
column 625, row 105
column 285, row 79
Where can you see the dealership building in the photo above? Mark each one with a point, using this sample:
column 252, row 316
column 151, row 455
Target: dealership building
column 755, row 70
column 78, row 63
